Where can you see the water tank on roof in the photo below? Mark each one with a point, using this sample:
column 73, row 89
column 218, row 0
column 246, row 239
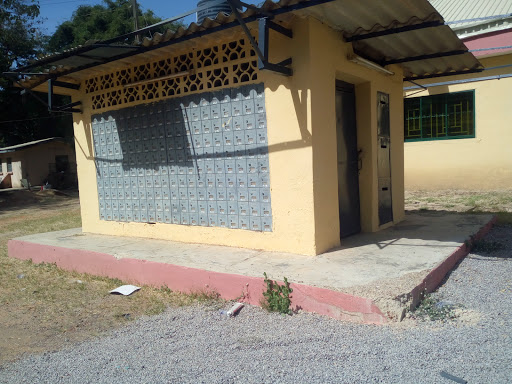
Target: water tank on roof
column 212, row 11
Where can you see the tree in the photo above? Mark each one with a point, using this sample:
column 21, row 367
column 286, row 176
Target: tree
column 20, row 40
column 99, row 22
column 21, row 117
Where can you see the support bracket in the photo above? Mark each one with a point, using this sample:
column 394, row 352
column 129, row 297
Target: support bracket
column 62, row 108
column 264, row 27
column 262, row 46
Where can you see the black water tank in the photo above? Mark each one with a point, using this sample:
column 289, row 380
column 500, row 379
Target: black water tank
column 212, row 11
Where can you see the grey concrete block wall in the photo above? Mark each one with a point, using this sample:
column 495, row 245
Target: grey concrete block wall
column 197, row 160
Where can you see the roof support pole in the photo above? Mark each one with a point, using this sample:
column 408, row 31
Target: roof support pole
column 62, row 108
column 261, row 47
column 264, row 26
column 50, row 94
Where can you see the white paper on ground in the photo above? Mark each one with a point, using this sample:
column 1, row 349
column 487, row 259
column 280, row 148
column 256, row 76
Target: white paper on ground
column 125, row 290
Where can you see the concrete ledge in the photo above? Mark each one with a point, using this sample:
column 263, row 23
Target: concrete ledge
column 441, row 270
column 373, row 278
column 335, row 304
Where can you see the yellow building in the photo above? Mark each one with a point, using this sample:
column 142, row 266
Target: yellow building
column 458, row 130
column 273, row 128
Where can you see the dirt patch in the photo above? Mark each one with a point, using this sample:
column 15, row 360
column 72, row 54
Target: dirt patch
column 44, row 308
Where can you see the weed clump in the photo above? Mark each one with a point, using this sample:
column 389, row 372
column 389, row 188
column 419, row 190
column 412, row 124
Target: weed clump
column 486, row 246
column 277, row 297
column 433, row 310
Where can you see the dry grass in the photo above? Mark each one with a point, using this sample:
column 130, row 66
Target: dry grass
column 43, row 307
column 497, row 202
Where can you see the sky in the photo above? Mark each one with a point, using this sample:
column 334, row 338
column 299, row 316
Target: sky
column 56, row 12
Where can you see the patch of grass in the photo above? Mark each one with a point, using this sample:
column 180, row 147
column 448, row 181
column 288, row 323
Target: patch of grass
column 460, row 200
column 431, row 309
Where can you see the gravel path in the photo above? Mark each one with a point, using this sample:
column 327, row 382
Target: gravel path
column 198, row 345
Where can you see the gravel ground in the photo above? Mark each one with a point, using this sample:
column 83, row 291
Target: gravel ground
column 198, row 345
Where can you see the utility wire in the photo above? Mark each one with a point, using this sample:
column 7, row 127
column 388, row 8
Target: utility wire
column 36, row 118
column 86, row 2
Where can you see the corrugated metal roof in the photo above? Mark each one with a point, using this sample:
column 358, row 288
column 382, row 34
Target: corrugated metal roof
column 456, row 10
column 351, row 17
column 366, row 16
column 17, row 147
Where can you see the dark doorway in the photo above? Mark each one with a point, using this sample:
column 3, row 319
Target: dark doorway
column 348, row 172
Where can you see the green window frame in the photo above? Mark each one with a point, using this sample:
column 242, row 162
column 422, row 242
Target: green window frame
column 440, row 117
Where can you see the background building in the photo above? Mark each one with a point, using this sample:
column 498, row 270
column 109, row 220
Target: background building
column 458, row 132
column 37, row 162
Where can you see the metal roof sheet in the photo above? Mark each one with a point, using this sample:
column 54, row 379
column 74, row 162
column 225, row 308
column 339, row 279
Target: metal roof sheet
column 365, row 16
column 14, row 148
column 352, row 17
column 472, row 10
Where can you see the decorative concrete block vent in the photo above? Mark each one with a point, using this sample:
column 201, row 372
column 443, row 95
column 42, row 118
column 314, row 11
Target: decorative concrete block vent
column 197, row 160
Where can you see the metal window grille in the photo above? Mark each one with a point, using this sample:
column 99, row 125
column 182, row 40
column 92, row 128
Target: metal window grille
column 9, row 164
column 438, row 117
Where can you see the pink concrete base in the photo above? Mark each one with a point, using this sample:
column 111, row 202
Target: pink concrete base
column 230, row 286
column 439, row 272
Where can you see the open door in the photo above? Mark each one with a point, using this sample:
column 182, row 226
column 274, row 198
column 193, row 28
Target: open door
column 348, row 172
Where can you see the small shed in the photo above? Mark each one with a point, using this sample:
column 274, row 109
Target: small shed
column 35, row 161
column 277, row 127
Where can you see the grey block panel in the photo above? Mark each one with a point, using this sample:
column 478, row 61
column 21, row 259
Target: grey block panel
column 196, row 160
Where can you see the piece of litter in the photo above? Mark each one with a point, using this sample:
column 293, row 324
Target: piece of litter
column 20, row 276
column 235, row 309
column 445, row 304
column 79, row 282
column 125, row 290
column 446, row 375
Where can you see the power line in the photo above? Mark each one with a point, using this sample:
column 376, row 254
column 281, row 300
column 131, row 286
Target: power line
column 36, row 118
column 86, row 2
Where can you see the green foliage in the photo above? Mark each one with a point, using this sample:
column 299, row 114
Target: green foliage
column 22, row 118
column 19, row 38
column 99, row 22
column 277, row 297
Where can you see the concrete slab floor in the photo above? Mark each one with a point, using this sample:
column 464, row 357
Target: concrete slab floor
column 416, row 244
column 378, row 266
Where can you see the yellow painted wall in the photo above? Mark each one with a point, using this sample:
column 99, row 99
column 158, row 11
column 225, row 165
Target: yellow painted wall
column 329, row 62
column 16, row 173
column 37, row 160
column 480, row 163
column 302, row 151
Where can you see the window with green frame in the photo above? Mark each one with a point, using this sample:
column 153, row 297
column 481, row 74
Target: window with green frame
column 439, row 117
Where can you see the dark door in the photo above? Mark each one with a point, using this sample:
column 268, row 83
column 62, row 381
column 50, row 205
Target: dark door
column 348, row 173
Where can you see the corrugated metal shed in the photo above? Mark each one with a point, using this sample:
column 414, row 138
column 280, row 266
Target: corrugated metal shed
column 456, row 10
column 407, row 31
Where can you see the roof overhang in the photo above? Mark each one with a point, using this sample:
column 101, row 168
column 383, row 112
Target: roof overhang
column 411, row 34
